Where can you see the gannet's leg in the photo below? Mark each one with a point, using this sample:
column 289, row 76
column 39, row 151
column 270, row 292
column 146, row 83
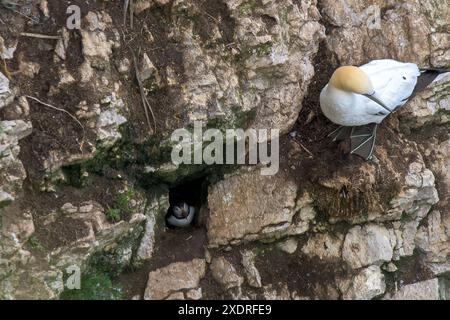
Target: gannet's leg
column 363, row 141
column 341, row 133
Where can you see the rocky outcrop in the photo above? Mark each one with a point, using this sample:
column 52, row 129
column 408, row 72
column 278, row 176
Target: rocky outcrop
column 71, row 236
column 425, row 290
column 92, row 233
column 254, row 59
column 366, row 246
column 409, row 31
column 176, row 281
column 12, row 172
column 433, row 239
column 365, row 285
column 225, row 273
column 248, row 206
column 156, row 208
column 251, row 272
column 6, row 94
column 327, row 246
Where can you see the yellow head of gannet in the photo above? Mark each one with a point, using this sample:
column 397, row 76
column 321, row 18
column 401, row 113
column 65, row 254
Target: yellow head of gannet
column 352, row 79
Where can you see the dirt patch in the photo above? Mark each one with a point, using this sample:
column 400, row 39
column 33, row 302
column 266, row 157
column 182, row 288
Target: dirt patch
column 410, row 270
column 309, row 277
column 214, row 13
column 64, row 231
column 178, row 245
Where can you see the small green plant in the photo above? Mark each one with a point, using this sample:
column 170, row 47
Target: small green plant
column 94, row 286
column 123, row 201
column 35, row 244
column 113, row 214
column 121, row 206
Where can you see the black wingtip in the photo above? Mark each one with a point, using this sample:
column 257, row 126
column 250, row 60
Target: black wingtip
column 427, row 76
column 434, row 70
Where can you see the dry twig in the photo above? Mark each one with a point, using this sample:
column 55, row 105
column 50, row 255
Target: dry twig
column 39, row 36
column 128, row 4
column 146, row 105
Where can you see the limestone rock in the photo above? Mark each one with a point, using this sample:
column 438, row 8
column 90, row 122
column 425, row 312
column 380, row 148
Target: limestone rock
column 277, row 292
column 269, row 69
column 370, row 244
column 249, row 206
column 433, row 238
column 110, row 120
column 430, row 107
column 148, row 71
column 156, row 208
column 367, row 284
column 97, row 49
column 406, row 31
column 425, row 290
column 324, row 246
column 288, row 246
column 6, row 96
column 93, row 234
column 251, row 272
column 12, row 172
column 7, row 50
column 174, row 278
column 225, row 273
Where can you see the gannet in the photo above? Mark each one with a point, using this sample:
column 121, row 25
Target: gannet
column 359, row 96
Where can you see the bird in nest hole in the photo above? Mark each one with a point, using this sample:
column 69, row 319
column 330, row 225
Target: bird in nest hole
column 180, row 215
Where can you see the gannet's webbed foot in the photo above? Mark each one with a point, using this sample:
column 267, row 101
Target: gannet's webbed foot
column 362, row 140
column 340, row 133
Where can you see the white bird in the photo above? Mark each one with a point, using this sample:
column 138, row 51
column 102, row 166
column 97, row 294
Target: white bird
column 358, row 96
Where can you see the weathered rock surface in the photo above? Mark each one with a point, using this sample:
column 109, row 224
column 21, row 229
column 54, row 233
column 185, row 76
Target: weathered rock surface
column 225, row 273
column 324, row 246
column 12, row 172
column 93, row 233
column 272, row 64
column 363, row 246
column 6, row 94
column 367, row 284
column 251, row 272
column 288, row 246
column 433, row 239
column 175, row 279
column 408, row 31
column 71, row 236
column 156, row 208
column 249, row 206
column 425, row 290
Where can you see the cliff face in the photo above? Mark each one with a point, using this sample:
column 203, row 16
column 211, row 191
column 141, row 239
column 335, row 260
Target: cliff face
column 85, row 171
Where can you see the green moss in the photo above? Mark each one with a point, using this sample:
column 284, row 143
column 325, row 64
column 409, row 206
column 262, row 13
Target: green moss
column 121, row 208
column 94, row 286
column 113, row 214
column 260, row 50
column 35, row 244
column 248, row 7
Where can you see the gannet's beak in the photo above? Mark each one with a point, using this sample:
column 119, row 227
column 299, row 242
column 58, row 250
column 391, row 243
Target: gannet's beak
column 374, row 99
